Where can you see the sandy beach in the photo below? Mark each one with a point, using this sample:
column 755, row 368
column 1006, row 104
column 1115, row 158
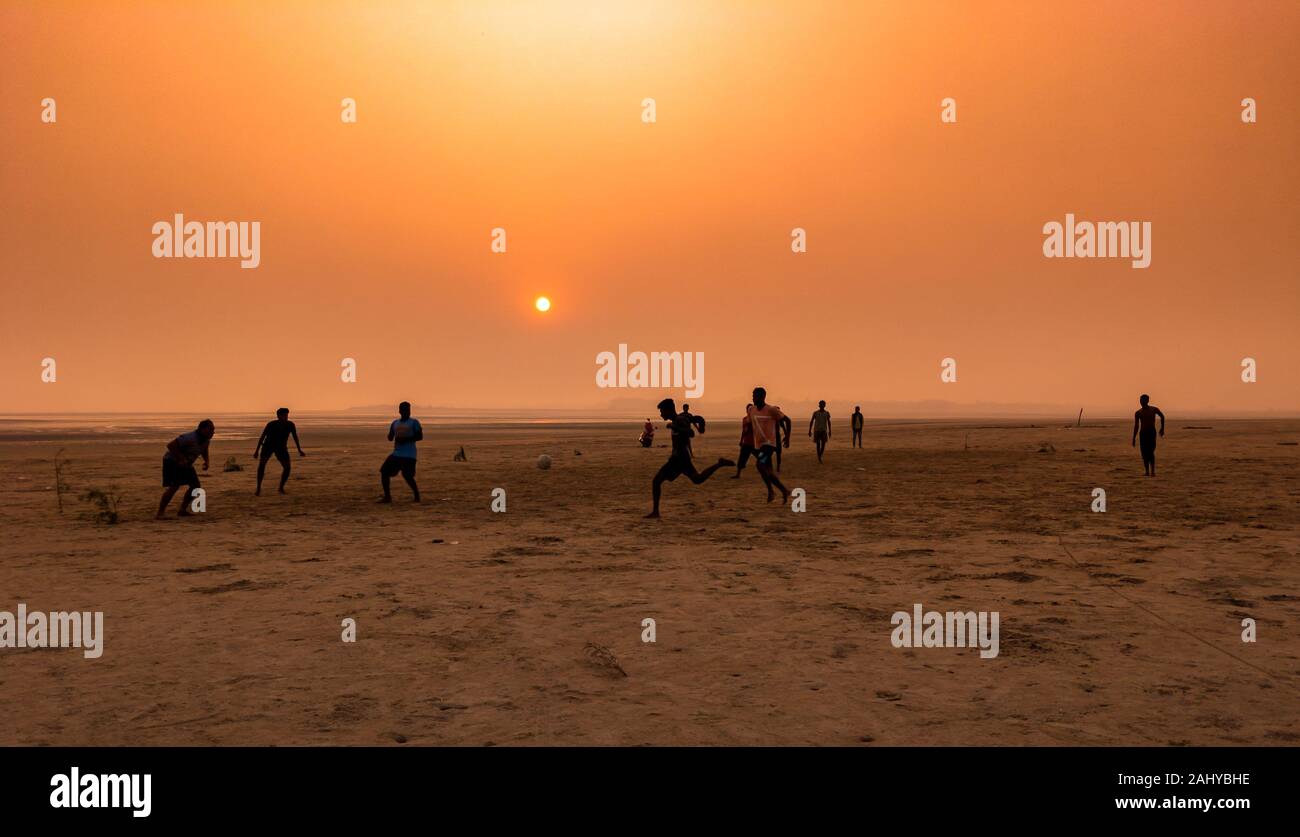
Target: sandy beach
column 478, row 628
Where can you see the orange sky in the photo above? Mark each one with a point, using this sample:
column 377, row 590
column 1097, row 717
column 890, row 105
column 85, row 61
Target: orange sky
column 924, row 239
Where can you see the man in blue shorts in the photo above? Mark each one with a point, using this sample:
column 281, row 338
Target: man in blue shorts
column 404, row 432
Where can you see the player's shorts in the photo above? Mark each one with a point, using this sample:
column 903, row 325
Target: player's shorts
column 1147, row 444
column 175, row 474
column 398, row 464
column 677, row 464
column 282, row 454
column 764, row 454
column 821, row 436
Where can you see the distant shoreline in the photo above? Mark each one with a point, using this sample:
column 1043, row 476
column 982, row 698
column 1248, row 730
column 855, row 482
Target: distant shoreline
column 590, row 417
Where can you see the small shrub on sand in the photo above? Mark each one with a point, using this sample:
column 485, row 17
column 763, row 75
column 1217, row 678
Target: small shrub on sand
column 103, row 505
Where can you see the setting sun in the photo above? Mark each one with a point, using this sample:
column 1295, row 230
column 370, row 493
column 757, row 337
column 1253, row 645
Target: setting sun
column 543, row 304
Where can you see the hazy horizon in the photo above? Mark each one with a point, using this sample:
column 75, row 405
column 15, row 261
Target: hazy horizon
column 904, row 411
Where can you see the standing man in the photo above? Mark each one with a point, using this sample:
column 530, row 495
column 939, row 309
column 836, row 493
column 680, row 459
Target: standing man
column 178, row 465
column 274, row 441
column 1144, row 423
column 767, row 421
column 819, row 428
column 746, row 443
column 691, row 422
column 404, row 432
column 856, row 424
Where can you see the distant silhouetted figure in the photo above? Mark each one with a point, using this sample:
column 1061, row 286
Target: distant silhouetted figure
column 647, row 437
column 686, row 413
column 274, row 441
column 819, row 428
column 855, row 422
column 178, row 465
column 767, row 422
column 1144, row 425
column 679, row 461
column 779, row 446
column 404, row 432
column 746, row 443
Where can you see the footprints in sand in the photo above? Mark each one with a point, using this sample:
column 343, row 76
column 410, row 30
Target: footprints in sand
column 417, row 612
column 1012, row 575
column 352, row 708
column 242, row 584
column 207, row 568
column 907, row 553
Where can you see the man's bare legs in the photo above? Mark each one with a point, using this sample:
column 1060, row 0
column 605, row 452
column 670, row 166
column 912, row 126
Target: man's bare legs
column 386, row 481
column 769, row 479
column 261, row 473
column 167, row 496
column 697, row 477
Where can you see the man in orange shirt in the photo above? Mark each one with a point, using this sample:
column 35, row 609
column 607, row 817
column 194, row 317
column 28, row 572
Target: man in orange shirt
column 766, row 422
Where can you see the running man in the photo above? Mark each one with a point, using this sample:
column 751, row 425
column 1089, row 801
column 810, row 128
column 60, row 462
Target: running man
column 1144, row 421
column 766, row 422
column 746, row 443
column 274, row 441
column 178, row 465
column 856, row 423
column 819, row 428
column 404, row 432
column 679, row 461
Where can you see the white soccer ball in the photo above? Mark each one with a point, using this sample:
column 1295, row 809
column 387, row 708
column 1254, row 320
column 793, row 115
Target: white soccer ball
column 544, row 462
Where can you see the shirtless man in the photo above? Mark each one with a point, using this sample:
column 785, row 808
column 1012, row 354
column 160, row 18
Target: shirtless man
column 746, row 443
column 819, row 428
column 682, row 425
column 1144, row 424
column 274, row 441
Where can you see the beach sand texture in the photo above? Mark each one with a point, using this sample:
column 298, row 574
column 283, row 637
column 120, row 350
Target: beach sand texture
column 772, row 627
